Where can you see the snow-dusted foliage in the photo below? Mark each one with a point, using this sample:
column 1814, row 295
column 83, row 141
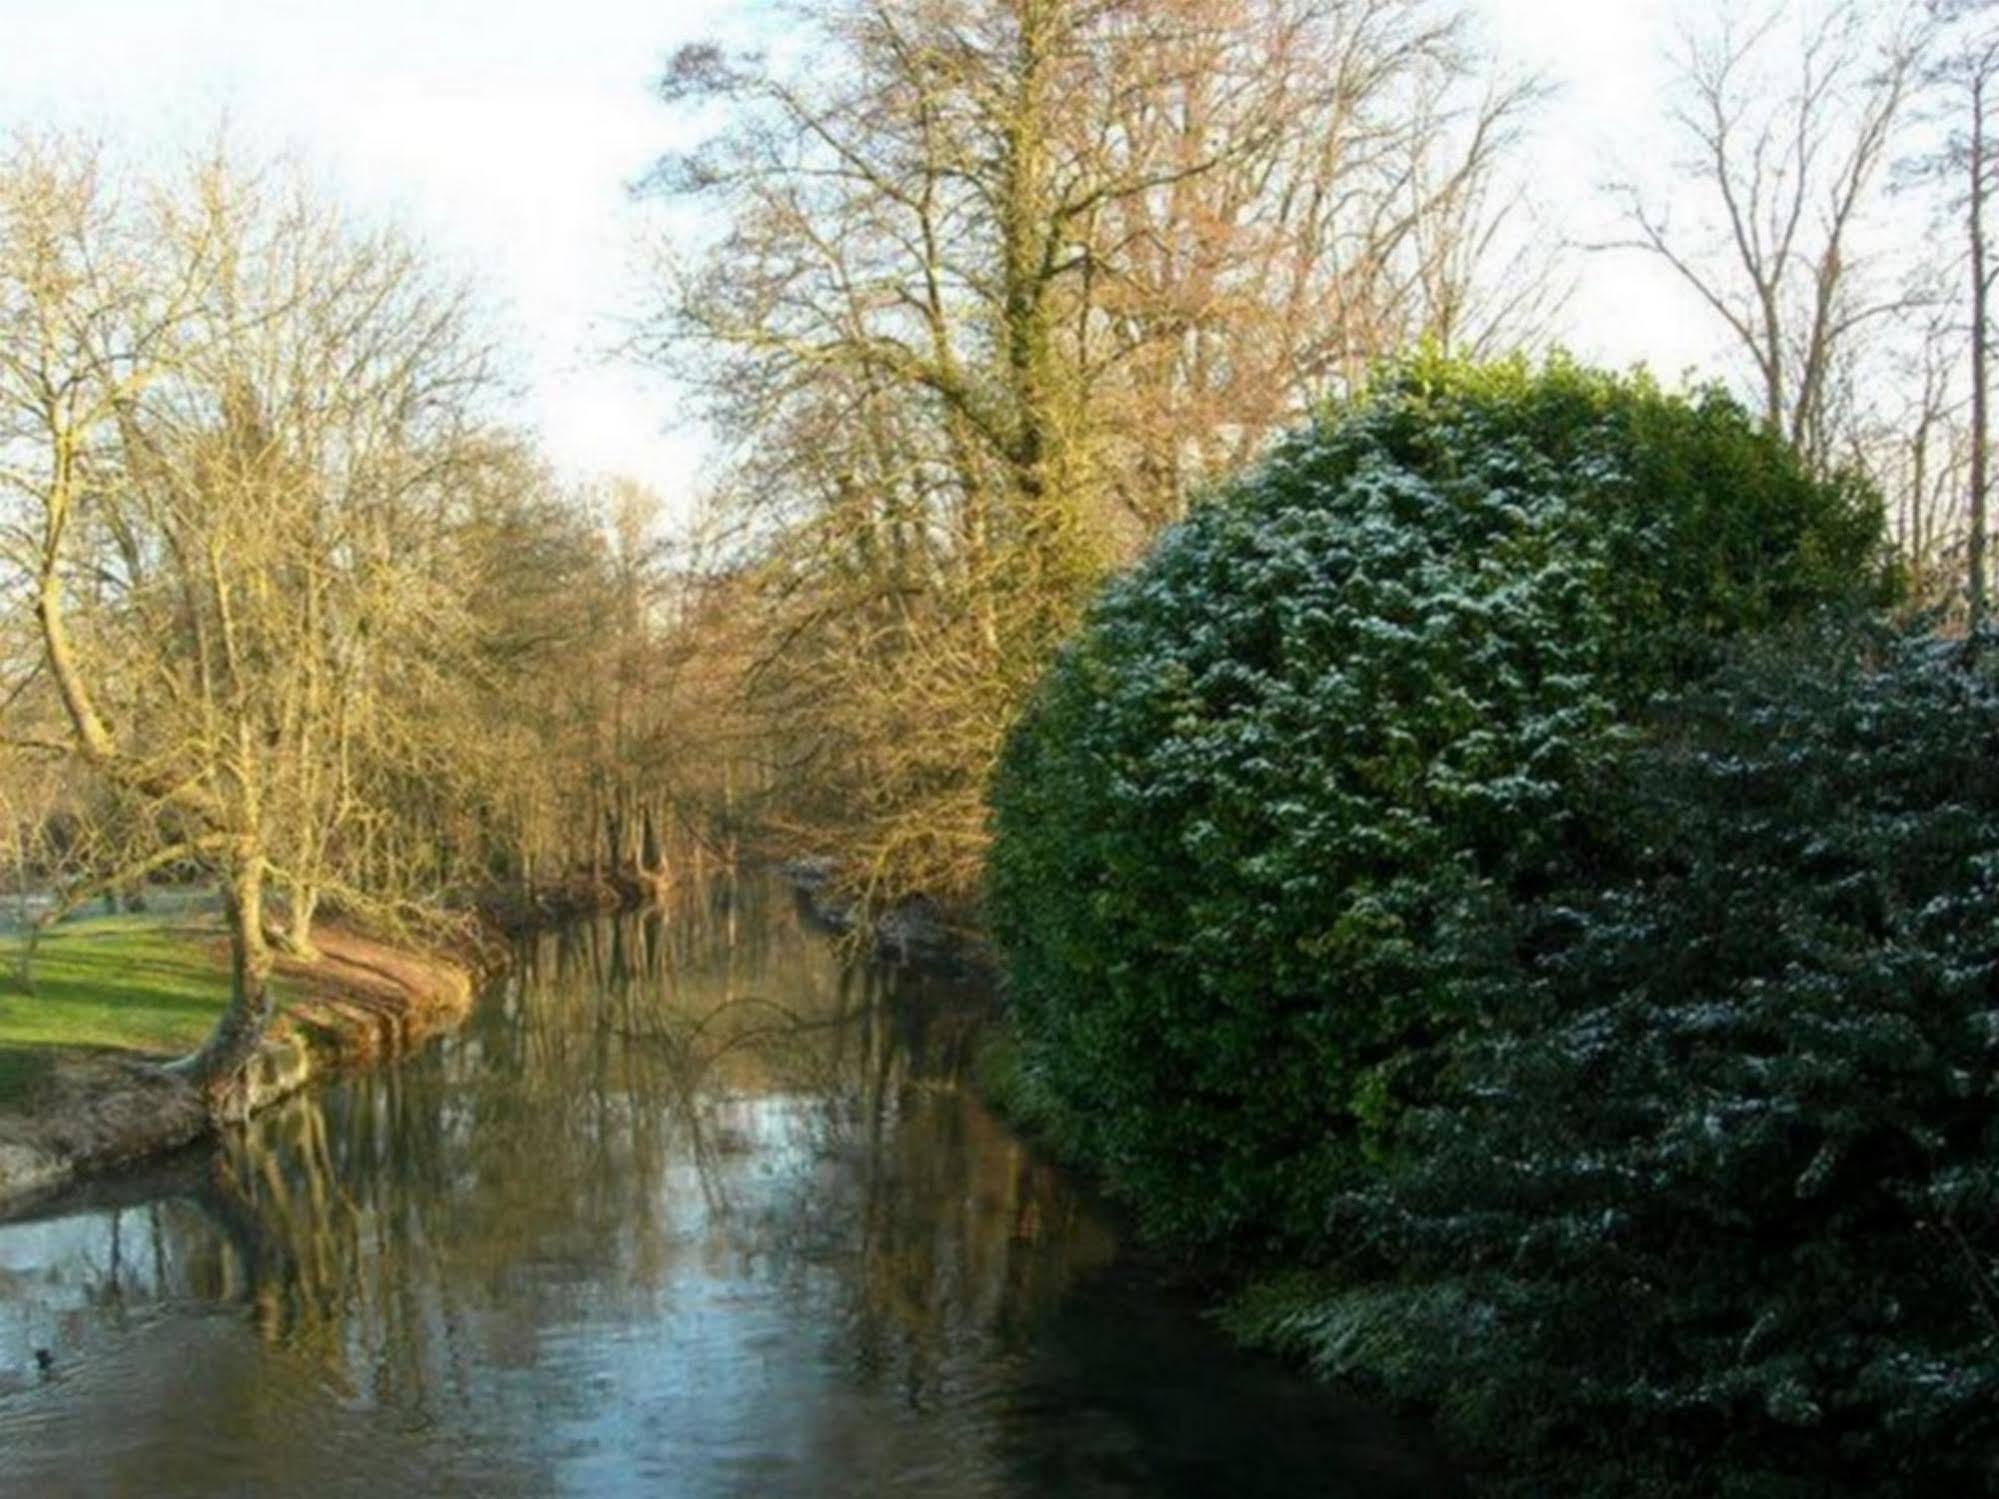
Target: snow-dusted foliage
column 1709, row 1203
column 1261, row 839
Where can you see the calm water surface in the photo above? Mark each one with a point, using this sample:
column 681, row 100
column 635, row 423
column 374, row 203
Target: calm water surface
column 690, row 1207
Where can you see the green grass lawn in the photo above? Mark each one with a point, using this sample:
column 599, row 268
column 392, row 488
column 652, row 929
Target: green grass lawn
column 146, row 982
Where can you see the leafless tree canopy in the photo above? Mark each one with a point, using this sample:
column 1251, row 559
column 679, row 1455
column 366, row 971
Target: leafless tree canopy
column 999, row 284
column 1835, row 165
column 284, row 587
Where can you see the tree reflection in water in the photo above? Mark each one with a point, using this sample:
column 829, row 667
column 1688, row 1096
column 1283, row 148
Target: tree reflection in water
column 691, row 1204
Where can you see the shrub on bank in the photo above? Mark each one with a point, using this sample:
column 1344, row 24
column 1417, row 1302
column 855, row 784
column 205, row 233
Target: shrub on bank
column 1712, row 1204
column 1263, row 834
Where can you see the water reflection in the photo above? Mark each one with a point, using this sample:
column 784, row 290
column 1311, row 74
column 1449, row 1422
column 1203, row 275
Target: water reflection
column 691, row 1206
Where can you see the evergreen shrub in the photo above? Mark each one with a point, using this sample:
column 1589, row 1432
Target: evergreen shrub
column 1260, row 838
column 1710, row 1203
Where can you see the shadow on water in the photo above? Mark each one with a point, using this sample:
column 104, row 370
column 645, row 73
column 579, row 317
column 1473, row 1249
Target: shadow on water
column 691, row 1206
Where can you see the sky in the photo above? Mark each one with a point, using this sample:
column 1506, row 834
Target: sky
column 506, row 134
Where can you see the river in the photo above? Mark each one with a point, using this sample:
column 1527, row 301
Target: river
column 693, row 1205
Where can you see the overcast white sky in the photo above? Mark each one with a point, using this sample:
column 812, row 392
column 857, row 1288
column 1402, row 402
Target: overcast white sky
column 505, row 132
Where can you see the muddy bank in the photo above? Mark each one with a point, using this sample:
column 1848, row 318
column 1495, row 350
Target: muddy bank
column 519, row 912
column 914, row 930
column 363, row 1002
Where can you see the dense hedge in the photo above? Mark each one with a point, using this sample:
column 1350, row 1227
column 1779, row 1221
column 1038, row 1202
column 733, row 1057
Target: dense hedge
column 1713, row 1207
column 1264, row 826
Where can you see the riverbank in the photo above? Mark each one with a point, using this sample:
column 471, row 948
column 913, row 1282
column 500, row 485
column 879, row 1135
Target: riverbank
column 914, row 930
column 515, row 913
column 84, row 1090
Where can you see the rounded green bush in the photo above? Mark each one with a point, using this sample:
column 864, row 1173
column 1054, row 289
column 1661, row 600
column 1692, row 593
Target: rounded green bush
column 1256, row 836
column 1711, row 1205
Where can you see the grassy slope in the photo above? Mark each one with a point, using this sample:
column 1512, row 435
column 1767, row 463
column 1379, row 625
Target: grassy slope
column 148, row 983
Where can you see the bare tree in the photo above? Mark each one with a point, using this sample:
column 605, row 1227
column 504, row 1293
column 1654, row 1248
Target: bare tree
column 96, row 299
column 1961, row 88
column 227, row 417
column 1790, row 120
column 1002, row 283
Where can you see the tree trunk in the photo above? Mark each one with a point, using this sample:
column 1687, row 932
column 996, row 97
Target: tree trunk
column 23, row 878
column 652, row 856
column 217, row 1069
column 24, row 962
column 1980, row 294
column 614, row 839
column 298, row 923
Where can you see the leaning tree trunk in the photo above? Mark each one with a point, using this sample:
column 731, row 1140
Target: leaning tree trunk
column 302, row 905
column 1981, row 330
column 217, row 1069
column 653, row 876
